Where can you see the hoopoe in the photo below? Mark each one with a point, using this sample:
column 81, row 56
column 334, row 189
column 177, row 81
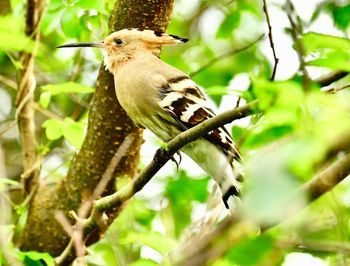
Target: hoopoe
column 166, row 101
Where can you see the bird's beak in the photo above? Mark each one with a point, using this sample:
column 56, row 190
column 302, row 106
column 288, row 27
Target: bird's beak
column 82, row 44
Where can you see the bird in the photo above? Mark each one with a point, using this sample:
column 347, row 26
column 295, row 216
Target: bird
column 165, row 100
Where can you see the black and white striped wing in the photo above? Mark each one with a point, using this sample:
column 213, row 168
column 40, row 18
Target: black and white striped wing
column 182, row 98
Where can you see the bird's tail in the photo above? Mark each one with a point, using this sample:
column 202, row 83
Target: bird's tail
column 226, row 172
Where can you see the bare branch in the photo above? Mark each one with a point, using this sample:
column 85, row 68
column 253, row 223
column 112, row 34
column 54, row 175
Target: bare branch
column 25, row 96
column 331, row 77
column 271, row 41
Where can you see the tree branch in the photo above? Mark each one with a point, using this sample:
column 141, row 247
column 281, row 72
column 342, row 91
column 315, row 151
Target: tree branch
column 25, row 98
column 117, row 199
column 107, row 128
column 271, row 41
column 331, row 77
column 233, row 228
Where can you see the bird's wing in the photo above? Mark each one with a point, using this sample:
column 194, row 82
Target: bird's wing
column 186, row 103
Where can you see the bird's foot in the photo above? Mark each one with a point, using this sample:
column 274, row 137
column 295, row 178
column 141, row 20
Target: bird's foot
column 175, row 161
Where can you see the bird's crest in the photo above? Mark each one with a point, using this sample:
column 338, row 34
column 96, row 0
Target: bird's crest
column 150, row 37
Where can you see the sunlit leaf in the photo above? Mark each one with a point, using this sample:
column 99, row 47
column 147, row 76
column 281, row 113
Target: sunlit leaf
column 67, row 87
column 143, row 262
column 242, row 253
column 68, row 22
column 33, row 258
column 181, row 192
column 314, row 41
column 45, row 98
column 341, row 16
column 228, row 25
column 102, row 253
column 332, row 62
column 53, row 129
column 15, row 41
column 97, row 5
column 74, row 131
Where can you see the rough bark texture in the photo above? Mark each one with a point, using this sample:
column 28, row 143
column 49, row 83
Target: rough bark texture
column 108, row 127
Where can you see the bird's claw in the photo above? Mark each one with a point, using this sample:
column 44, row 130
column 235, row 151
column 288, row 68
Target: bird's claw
column 177, row 162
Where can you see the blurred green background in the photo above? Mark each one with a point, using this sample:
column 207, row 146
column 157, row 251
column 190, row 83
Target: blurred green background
column 283, row 147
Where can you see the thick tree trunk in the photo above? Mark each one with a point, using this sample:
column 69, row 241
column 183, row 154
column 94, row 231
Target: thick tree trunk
column 108, row 127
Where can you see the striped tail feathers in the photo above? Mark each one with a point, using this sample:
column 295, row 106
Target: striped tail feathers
column 216, row 153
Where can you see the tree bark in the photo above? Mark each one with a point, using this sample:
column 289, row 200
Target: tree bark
column 107, row 128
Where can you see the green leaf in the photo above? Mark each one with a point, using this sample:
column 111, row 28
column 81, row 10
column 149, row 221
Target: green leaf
column 284, row 92
column 15, row 42
column 33, row 258
column 69, row 28
column 53, row 129
column 67, row 87
column 335, row 62
column 267, row 135
column 74, row 132
column 181, row 192
column 154, row 240
column 341, row 16
column 45, row 99
column 102, row 253
column 237, row 132
column 51, row 21
column 228, row 25
column 314, row 41
column 218, row 90
column 242, row 253
column 88, row 4
column 143, row 262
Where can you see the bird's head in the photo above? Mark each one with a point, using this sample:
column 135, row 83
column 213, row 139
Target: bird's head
column 120, row 46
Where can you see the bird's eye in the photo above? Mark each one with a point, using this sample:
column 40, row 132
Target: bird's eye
column 118, row 41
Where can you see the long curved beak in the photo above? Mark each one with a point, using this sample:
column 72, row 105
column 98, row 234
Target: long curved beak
column 82, row 44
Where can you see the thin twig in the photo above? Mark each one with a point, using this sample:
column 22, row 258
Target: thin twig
column 272, row 78
column 8, row 82
column 46, row 112
column 299, row 46
column 337, row 89
column 224, row 56
column 77, row 234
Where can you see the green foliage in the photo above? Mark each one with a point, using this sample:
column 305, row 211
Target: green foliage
column 284, row 146
column 14, row 35
column 242, row 253
column 50, row 90
column 33, row 258
column 154, row 240
column 181, row 191
column 334, row 50
column 73, row 131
